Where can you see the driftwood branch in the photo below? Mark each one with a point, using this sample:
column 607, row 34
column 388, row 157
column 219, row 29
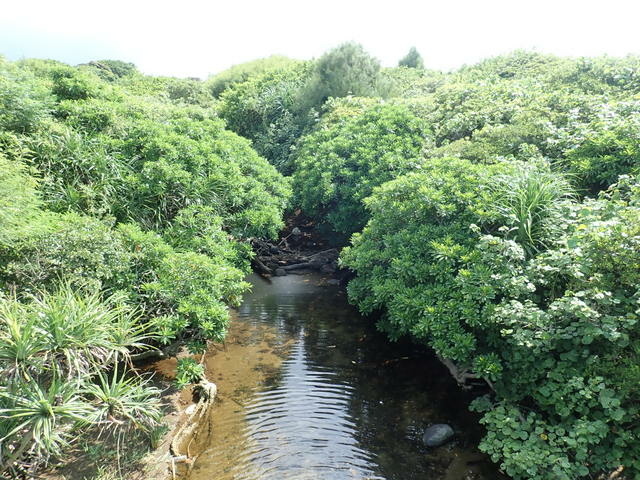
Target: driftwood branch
column 136, row 357
column 260, row 267
column 616, row 473
column 298, row 266
column 184, row 436
column 462, row 376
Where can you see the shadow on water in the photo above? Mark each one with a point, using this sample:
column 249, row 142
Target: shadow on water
column 309, row 390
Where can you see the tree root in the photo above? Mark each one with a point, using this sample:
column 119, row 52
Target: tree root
column 195, row 428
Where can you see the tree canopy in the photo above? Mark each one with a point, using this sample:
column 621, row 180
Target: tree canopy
column 412, row 59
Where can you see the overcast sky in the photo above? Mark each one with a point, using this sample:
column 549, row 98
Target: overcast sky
column 197, row 37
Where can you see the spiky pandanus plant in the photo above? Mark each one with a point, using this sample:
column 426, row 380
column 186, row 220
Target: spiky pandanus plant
column 64, row 359
column 531, row 202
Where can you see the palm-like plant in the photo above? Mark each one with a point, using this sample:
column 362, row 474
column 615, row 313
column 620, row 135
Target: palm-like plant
column 127, row 331
column 55, row 350
column 531, row 202
column 20, row 341
column 123, row 401
column 39, row 418
column 82, row 332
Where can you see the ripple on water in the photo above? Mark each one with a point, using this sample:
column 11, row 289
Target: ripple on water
column 302, row 397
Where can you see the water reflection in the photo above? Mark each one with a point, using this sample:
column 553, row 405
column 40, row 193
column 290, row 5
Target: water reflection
column 309, row 390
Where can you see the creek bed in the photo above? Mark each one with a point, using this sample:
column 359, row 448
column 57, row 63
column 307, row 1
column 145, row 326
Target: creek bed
column 308, row 389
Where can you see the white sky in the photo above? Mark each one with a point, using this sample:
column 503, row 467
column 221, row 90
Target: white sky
column 198, row 37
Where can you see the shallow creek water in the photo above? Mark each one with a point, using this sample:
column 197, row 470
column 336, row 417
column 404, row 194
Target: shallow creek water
column 307, row 389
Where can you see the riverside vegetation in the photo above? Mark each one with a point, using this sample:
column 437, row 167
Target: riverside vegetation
column 491, row 213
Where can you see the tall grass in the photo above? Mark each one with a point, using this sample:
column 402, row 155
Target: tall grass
column 531, row 202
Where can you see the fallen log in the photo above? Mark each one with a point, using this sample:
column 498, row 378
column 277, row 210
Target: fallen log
column 261, row 267
column 298, row 266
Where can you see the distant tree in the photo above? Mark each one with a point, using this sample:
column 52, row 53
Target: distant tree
column 346, row 70
column 117, row 67
column 413, row 59
column 110, row 70
column 219, row 82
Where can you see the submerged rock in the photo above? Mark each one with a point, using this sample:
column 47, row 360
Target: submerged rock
column 328, row 268
column 280, row 272
column 437, row 435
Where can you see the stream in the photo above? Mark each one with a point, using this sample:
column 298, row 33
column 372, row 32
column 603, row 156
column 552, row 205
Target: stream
column 308, row 389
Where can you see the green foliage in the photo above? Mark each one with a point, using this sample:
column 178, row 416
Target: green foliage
column 144, row 160
column 345, row 70
column 199, row 229
column 122, row 400
column 113, row 69
column 405, row 82
column 530, row 203
column 189, row 91
column 73, row 84
column 189, row 371
column 412, row 59
column 128, row 187
column 197, row 288
column 79, row 248
column 19, row 201
column 601, row 149
column 52, row 349
column 414, row 247
column 569, row 347
column 240, row 73
column 340, row 163
column 188, row 162
column 24, row 102
column 554, row 330
column 264, row 109
column 467, row 234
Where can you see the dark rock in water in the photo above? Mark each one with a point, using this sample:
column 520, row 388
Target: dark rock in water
column 328, row 268
column 322, row 258
column 333, row 282
column 437, row 435
column 280, row 272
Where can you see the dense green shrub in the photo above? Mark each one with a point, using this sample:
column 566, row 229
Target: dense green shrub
column 411, row 251
column 188, row 162
column 412, row 59
column 71, row 84
column 19, row 201
column 81, row 249
column 113, row 69
column 473, row 242
column 551, row 329
column 568, row 350
column 198, row 289
column 345, row 70
column 402, row 82
column 199, row 229
column 606, row 146
column 264, row 109
column 132, row 190
column 24, row 102
column 339, row 164
column 239, row 73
